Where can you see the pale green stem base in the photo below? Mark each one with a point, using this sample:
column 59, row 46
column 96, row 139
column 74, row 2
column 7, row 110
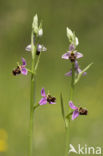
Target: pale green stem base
column 32, row 98
column 67, row 129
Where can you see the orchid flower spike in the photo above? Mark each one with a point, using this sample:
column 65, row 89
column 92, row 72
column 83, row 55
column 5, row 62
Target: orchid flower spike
column 21, row 69
column 38, row 31
column 46, row 98
column 77, row 110
column 72, row 54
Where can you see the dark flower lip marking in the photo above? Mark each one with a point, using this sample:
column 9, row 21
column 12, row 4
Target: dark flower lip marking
column 51, row 99
column 37, row 52
column 72, row 57
column 83, row 111
column 16, row 71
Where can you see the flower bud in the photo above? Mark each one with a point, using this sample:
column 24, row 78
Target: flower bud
column 76, row 41
column 40, row 32
column 35, row 24
column 72, row 38
column 70, row 34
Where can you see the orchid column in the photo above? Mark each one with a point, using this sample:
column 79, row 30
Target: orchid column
column 75, row 72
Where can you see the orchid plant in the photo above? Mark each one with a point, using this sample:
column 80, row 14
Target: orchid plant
column 35, row 48
column 75, row 72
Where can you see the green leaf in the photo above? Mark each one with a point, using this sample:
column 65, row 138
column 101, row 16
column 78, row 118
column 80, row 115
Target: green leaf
column 62, row 106
column 81, row 73
column 35, row 24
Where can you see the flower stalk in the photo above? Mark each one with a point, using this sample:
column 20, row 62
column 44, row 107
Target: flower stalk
column 72, row 81
column 76, row 73
column 32, row 95
column 67, row 127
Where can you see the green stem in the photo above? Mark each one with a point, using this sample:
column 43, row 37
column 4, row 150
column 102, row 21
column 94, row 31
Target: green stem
column 67, row 136
column 67, row 119
column 32, row 95
column 37, row 63
column 72, row 82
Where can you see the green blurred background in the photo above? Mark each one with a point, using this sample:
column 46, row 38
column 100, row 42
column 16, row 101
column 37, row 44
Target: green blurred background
column 86, row 18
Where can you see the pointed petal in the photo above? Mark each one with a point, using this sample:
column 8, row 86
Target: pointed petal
column 75, row 114
column 66, row 55
column 24, row 71
column 72, row 105
column 43, row 92
column 71, row 47
column 69, row 73
column 23, row 62
column 28, row 48
column 43, row 101
column 78, row 55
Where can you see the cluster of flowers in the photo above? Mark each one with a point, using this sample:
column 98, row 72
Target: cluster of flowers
column 21, row 69
column 73, row 55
